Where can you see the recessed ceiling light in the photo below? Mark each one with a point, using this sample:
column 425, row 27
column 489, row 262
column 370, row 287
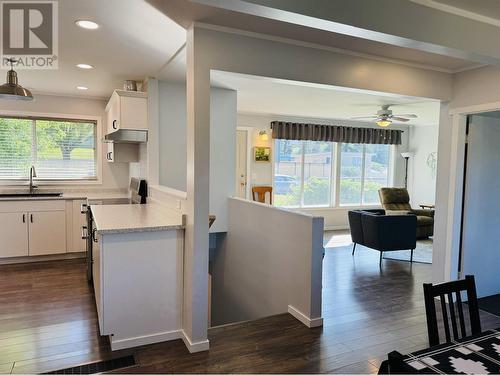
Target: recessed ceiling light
column 82, row 88
column 84, row 66
column 86, row 24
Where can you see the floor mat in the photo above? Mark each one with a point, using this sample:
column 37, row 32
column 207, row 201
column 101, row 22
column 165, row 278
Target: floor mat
column 490, row 304
column 98, row 367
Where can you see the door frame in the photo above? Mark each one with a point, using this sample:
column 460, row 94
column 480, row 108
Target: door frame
column 249, row 130
column 453, row 216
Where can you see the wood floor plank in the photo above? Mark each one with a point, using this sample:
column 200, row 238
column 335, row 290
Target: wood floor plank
column 48, row 322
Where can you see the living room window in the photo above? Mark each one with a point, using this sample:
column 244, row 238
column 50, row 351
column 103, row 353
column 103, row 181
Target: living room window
column 364, row 169
column 304, row 173
column 59, row 149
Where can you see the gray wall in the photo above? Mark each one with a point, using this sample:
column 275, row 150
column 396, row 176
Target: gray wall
column 172, row 145
column 481, row 256
column 172, row 134
column 260, row 268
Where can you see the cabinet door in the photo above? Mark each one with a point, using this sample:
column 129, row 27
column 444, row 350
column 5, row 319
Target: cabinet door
column 113, row 113
column 47, row 232
column 14, row 234
column 110, row 152
column 79, row 221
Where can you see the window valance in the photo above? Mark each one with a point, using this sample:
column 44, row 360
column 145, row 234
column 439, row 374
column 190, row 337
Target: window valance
column 334, row 133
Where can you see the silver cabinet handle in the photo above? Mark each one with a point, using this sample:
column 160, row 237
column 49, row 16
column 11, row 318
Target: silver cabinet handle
column 94, row 235
column 83, row 208
column 84, row 232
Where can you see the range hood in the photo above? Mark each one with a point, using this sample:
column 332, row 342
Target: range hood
column 127, row 136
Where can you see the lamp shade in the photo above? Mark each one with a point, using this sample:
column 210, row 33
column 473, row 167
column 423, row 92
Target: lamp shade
column 12, row 90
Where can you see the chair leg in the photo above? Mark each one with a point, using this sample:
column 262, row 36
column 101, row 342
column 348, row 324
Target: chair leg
column 411, row 256
column 380, row 261
column 353, row 248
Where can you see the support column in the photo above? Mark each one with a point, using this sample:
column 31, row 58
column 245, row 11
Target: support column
column 195, row 312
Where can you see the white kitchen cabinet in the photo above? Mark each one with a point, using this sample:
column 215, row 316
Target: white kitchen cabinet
column 122, row 153
column 14, row 234
column 47, row 232
column 127, row 110
column 96, row 277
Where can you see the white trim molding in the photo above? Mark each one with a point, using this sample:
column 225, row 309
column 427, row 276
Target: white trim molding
column 194, row 347
column 311, row 323
column 145, row 340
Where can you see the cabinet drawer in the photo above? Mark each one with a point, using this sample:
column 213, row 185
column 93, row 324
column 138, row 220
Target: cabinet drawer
column 33, row 206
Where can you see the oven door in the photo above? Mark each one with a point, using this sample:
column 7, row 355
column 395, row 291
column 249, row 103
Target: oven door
column 86, row 235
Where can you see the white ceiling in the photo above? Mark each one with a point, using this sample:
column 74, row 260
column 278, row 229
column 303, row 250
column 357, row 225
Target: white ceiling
column 134, row 40
column 279, row 97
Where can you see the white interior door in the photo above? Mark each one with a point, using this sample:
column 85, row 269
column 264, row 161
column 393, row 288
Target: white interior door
column 481, row 220
column 241, row 164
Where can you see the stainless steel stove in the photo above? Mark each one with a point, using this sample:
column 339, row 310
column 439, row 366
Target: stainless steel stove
column 138, row 189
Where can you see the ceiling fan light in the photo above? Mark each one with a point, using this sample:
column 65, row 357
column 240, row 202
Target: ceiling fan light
column 384, row 123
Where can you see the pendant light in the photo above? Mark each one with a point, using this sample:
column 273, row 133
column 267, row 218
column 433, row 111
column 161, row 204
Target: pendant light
column 13, row 90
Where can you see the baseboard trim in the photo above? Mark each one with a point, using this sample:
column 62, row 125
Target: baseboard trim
column 194, row 347
column 311, row 323
column 336, row 227
column 42, row 258
column 145, row 340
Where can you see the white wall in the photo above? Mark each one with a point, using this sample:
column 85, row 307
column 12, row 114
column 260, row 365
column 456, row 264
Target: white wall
column 261, row 173
column 423, row 141
column 172, row 145
column 261, row 270
column 114, row 175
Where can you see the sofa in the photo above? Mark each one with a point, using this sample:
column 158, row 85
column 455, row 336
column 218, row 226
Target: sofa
column 396, row 201
column 378, row 231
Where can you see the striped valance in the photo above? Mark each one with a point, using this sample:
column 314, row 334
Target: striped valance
column 333, row 133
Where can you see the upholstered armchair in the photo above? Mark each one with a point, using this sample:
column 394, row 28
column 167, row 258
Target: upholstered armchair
column 396, row 201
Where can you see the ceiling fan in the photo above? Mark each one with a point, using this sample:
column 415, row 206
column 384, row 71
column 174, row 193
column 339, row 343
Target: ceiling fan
column 384, row 116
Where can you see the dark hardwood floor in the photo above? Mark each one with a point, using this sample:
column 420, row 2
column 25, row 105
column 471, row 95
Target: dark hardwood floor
column 48, row 322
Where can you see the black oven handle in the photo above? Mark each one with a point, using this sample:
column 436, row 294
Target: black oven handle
column 85, row 233
column 94, row 235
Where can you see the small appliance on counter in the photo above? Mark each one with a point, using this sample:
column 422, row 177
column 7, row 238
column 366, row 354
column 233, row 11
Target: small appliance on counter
column 138, row 195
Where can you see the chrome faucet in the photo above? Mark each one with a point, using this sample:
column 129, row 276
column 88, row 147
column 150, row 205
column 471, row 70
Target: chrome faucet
column 32, row 174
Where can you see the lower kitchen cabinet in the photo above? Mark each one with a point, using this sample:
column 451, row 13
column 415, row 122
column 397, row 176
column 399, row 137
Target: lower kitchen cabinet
column 47, row 232
column 14, row 234
column 30, row 228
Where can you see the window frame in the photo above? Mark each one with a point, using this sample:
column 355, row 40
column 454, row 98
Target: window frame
column 96, row 120
column 335, row 178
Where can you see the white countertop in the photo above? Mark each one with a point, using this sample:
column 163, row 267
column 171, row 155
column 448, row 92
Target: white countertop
column 68, row 195
column 125, row 218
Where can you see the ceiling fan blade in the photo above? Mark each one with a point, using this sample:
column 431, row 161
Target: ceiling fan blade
column 361, row 117
column 410, row 115
column 395, row 118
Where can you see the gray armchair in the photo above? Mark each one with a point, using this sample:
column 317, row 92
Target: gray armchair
column 396, row 201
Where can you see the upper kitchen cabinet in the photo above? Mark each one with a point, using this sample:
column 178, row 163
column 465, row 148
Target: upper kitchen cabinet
column 127, row 110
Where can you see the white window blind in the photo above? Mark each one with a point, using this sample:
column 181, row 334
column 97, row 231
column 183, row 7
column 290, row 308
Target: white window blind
column 59, row 149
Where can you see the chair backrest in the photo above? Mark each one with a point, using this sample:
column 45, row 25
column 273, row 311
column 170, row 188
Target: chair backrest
column 453, row 310
column 394, row 199
column 259, row 193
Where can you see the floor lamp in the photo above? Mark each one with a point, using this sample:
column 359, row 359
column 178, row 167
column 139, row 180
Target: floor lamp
column 406, row 156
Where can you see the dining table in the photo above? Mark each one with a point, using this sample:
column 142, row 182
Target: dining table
column 477, row 354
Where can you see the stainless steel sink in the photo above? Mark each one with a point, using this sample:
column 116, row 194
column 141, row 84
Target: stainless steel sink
column 28, row 195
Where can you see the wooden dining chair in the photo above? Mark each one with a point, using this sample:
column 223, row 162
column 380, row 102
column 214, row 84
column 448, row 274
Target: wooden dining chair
column 451, row 309
column 259, row 194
